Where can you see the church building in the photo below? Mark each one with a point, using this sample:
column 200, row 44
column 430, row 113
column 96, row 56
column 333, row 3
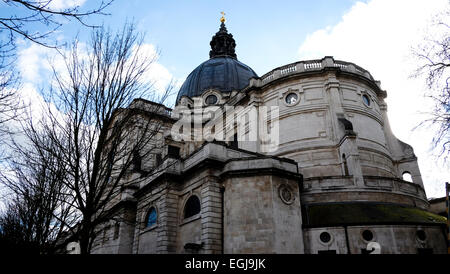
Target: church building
column 299, row 160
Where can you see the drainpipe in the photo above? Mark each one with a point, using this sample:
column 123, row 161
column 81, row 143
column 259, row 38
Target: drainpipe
column 346, row 240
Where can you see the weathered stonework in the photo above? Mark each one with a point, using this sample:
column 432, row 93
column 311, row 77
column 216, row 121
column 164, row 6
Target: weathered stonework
column 336, row 149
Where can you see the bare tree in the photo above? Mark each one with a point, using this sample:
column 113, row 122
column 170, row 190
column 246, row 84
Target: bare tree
column 434, row 62
column 28, row 224
column 91, row 139
column 34, row 21
column 14, row 236
column 26, row 17
column 93, row 129
column 10, row 103
column 35, row 217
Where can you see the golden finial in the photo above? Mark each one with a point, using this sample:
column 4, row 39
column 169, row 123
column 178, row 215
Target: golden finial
column 222, row 19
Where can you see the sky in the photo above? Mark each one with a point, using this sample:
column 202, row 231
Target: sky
column 378, row 35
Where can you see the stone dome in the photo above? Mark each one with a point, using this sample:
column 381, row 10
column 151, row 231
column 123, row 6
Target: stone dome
column 222, row 72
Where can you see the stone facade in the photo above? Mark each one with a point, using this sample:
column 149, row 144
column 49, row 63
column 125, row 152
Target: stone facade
column 335, row 150
column 394, row 239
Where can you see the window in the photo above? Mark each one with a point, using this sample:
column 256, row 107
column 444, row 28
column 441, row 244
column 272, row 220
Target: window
column 325, row 237
column 407, row 176
column 137, row 161
column 421, row 235
column 234, row 143
column 344, row 160
column 367, row 235
column 192, row 207
column 366, row 100
column 173, row 152
column 291, row 98
column 211, row 99
column 152, row 216
column 158, row 159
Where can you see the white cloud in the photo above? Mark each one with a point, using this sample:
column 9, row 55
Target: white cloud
column 379, row 35
column 30, row 62
column 65, row 4
column 158, row 74
column 35, row 64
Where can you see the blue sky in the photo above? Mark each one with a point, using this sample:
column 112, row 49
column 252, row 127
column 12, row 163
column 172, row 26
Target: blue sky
column 267, row 33
column 378, row 35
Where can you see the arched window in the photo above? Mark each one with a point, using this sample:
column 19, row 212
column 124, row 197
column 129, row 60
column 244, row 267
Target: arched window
column 407, row 176
column 192, row 207
column 152, row 216
column 366, row 100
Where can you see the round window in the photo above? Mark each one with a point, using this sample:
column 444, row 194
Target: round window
column 421, row 235
column 211, row 99
column 367, row 235
column 406, row 176
column 291, row 98
column 325, row 237
column 366, row 100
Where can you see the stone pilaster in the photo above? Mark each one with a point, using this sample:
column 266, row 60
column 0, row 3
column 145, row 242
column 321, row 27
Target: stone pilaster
column 168, row 221
column 335, row 104
column 211, row 216
column 349, row 147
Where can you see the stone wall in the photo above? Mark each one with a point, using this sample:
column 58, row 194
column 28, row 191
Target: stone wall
column 251, row 202
column 117, row 235
column 393, row 239
column 257, row 220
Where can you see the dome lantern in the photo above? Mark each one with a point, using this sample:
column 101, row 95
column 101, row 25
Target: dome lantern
column 222, row 72
column 222, row 43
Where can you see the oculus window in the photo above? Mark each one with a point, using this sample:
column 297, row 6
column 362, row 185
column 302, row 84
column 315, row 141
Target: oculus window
column 211, row 99
column 406, row 176
column 421, row 235
column 291, row 98
column 325, row 237
column 367, row 235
